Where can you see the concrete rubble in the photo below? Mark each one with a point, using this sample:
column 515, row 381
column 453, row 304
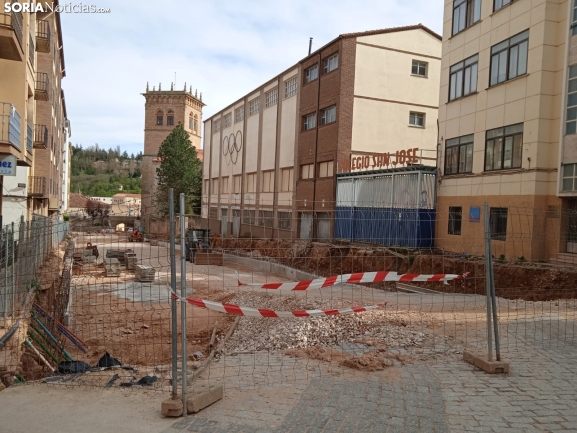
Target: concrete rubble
column 377, row 327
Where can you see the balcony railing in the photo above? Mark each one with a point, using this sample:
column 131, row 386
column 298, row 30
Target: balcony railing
column 31, row 50
column 40, row 137
column 12, row 20
column 29, row 138
column 9, row 125
column 42, row 36
column 42, row 87
column 36, row 186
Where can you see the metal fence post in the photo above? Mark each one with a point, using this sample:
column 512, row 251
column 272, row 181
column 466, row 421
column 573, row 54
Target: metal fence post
column 488, row 271
column 174, row 331
column 183, row 302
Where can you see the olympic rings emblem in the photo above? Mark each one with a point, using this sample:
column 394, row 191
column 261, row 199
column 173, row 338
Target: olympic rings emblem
column 231, row 147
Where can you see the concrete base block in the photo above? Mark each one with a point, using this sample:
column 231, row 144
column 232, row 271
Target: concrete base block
column 171, row 407
column 203, row 396
column 481, row 362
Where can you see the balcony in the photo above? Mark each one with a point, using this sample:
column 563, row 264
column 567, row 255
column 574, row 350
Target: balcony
column 36, row 186
column 9, row 125
column 40, row 137
column 42, row 36
column 42, row 87
column 11, row 35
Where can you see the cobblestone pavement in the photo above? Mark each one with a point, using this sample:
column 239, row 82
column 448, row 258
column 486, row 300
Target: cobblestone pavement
column 449, row 395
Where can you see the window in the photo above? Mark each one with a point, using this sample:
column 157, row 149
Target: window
column 213, row 213
column 224, row 213
column 326, row 169
column 253, row 107
column 284, row 220
column 312, row 73
column 271, row 98
column 498, row 223
column 248, row 217
column 419, row 68
column 214, row 186
column 227, row 120
column 266, row 218
column 236, row 183
column 190, row 121
column 224, row 185
column 500, row 3
column 455, row 219
column 287, row 177
column 307, row 171
column 331, row 63
column 571, row 120
column 195, row 125
column 574, row 20
column 459, row 155
column 250, row 183
column 504, row 148
column 159, row 117
column 267, row 181
column 465, row 14
column 509, row 58
column 417, row 119
column 216, row 126
column 463, row 79
column 170, row 118
column 309, row 121
column 329, row 115
column 239, row 114
column 290, row 87
column 569, row 177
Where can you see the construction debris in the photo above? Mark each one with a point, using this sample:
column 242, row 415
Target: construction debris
column 378, row 327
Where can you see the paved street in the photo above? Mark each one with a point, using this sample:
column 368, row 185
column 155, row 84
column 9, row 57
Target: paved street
column 539, row 395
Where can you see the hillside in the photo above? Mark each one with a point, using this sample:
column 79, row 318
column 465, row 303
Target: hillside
column 102, row 173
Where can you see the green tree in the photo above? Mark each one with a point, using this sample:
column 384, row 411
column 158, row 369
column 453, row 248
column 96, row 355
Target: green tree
column 179, row 169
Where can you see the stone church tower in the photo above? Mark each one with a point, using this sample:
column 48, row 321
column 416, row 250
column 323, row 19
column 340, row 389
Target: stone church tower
column 164, row 109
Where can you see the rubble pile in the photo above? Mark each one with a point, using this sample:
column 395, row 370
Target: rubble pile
column 372, row 328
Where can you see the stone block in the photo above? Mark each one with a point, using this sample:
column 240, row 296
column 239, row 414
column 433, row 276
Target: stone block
column 171, row 407
column 481, row 362
column 203, row 396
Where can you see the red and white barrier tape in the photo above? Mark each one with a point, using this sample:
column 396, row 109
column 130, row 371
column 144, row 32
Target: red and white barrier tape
column 357, row 278
column 257, row 312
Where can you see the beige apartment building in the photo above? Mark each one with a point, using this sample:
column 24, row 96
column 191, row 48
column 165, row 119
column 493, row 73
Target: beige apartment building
column 33, row 119
column 507, row 128
column 272, row 157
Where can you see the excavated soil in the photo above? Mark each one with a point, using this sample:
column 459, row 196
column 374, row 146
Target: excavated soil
column 527, row 281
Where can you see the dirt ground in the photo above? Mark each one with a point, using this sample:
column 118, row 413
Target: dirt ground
column 513, row 280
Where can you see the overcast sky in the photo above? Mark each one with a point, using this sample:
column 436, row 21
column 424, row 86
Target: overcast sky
column 223, row 48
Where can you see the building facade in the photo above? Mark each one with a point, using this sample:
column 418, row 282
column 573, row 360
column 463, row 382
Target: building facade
column 164, row 109
column 33, row 121
column 271, row 158
column 507, row 124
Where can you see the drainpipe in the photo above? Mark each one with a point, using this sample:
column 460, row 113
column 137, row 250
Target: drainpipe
column 314, row 227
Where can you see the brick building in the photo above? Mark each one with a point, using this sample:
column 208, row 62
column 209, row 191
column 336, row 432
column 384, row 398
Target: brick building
column 164, row 109
column 271, row 158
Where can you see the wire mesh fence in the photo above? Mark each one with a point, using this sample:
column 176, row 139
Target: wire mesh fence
column 282, row 302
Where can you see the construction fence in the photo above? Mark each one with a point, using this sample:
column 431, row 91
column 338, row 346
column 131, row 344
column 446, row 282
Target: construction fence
column 250, row 311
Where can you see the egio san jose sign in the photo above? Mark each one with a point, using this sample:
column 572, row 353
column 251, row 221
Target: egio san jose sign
column 377, row 161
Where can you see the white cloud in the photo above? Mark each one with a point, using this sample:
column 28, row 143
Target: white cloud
column 224, row 49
